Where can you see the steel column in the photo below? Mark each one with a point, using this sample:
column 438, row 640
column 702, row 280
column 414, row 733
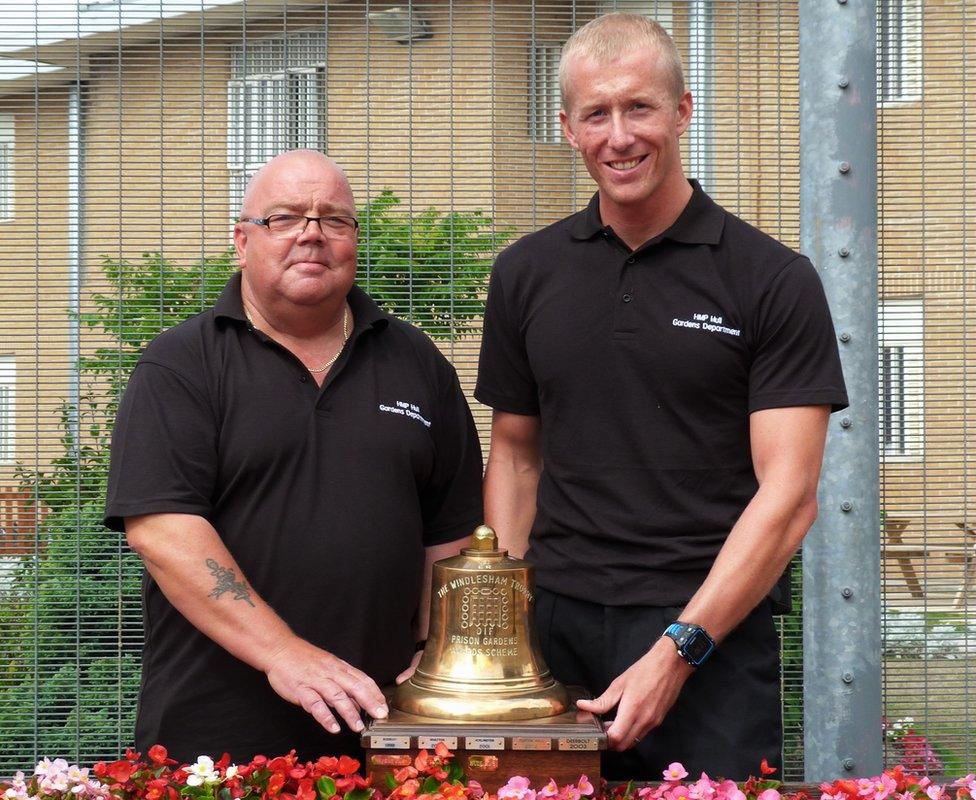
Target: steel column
column 838, row 230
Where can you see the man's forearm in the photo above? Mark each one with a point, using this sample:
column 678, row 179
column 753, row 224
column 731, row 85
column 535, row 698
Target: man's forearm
column 512, row 479
column 198, row 575
column 787, row 447
column 510, row 506
column 761, row 544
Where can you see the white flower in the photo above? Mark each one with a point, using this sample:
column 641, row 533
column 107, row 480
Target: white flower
column 201, row 772
column 231, row 771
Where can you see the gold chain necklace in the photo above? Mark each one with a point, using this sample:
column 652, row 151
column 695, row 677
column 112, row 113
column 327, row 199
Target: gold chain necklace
column 345, row 338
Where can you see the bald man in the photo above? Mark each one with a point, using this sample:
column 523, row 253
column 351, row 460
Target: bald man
column 288, row 464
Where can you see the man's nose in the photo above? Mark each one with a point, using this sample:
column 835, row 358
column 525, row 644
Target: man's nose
column 313, row 231
column 620, row 136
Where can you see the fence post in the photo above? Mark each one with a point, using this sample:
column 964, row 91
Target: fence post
column 838, row 230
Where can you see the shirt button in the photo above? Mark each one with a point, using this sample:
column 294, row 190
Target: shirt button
column 628, row 297
column 303, row 378
column 631, row 260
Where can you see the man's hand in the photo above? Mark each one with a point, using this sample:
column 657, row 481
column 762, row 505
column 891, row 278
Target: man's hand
column 409, row 670
column 319, row 682
column 643, row 694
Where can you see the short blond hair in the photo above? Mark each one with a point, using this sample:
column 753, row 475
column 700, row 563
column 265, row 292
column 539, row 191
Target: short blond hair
column 613, row 35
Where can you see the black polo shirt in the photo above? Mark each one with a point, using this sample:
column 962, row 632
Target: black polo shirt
column 326, row 497
column 644, row 367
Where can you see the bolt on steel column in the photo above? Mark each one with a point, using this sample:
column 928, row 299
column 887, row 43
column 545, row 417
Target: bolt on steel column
column 838, row 231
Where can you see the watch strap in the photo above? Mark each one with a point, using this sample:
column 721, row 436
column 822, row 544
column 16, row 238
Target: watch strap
column 693, row 642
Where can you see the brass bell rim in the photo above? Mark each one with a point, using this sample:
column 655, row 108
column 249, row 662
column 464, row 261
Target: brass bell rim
column 470, row 706
column 526, row 685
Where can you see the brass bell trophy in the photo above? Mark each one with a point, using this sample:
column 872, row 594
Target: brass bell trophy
column 482, row 686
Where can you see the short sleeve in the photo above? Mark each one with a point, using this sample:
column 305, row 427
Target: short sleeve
column 796, row 362
column 505, row 379
column 163, row 448
column 451, row 500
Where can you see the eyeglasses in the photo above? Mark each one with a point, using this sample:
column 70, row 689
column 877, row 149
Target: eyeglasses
column 337, row 226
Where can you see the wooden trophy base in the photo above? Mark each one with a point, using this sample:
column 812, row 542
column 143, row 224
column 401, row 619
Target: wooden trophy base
column 561, row 748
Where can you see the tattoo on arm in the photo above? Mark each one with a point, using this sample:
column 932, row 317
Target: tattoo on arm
column 227, row 582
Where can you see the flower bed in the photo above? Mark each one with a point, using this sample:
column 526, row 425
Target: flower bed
column 431, row 776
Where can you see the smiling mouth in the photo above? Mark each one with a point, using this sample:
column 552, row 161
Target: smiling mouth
column 625, row 165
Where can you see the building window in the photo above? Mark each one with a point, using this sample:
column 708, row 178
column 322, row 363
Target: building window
column 7, row 388
column 276, row 102
column 900, row 50
column 544, row 97
column 900, row 363
column 6, row 167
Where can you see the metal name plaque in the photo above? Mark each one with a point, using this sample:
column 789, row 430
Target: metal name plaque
column 389, row 742
column 578, row 744
column 430, row 742
column 484, row 742
column 528, row 743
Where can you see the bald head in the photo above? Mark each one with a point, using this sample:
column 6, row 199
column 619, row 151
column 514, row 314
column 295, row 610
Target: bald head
column 304, row 172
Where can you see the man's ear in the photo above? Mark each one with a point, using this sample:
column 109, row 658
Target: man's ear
column 567, row 130
column 685, row 111
column 240, row 242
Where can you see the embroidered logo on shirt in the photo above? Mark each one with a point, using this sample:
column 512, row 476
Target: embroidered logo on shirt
column 404, row 409
column 706, row 322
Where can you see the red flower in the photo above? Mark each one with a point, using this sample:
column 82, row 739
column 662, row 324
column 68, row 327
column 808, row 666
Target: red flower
column 328, row 764
column 282, row 763
column 275, row 784
column 404, row 774
column 306, row 790
column 765, row 769
column 120, row 771
column 347, row 766
column 258, row 761
column 440, row 749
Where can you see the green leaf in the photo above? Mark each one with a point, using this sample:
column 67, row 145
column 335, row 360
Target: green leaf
column 390, row 781
column 358, row 794
column 455, row 772
column 326, row 787
column 430, row 785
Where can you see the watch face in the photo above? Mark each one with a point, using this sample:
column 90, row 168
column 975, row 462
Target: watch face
column 697, row 646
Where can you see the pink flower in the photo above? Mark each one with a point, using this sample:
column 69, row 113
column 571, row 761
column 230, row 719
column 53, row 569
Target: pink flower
column 703, row 788
column 652, row 792
column 678, row 792
column 569, row 792
column 728, row 790
column 584, row 786
column 476, row 790
column 934, row 791
column 838, row 795
column 549, row 790
column 878, row 788
column 517, row 788
column 769, row 794
column 675, row 772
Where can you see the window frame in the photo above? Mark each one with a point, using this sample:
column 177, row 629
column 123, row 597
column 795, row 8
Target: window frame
column 268, row 88
column 545, row 99
column 7, row 145
column 900, row 52
column 8, row 409
column 901, row 330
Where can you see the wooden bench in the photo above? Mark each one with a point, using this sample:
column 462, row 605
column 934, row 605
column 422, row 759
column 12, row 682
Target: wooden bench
column 894, row 548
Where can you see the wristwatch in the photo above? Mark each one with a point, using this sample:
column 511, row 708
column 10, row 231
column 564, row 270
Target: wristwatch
column 693, row 642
